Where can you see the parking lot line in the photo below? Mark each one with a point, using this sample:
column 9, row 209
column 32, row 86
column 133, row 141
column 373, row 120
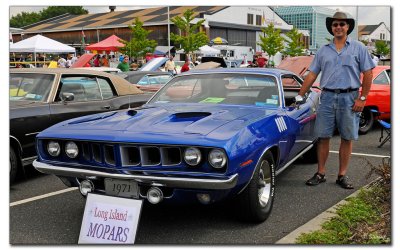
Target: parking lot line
column 42, row 196
column 360, row 154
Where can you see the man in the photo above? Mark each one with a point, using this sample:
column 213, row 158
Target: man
column 341, row 62
column 61, row 62
column 124, row 65
column 185, row 66
column 170, row 65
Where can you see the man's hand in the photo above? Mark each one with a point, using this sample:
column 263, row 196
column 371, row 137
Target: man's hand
column 358, row 105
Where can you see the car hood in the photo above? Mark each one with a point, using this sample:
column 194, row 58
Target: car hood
column 173, row 121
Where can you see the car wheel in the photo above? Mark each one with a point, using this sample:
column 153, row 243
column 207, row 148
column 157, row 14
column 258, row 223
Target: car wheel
column 13, row 165
column 366, row 121
column 257, row 199
column 311, row 156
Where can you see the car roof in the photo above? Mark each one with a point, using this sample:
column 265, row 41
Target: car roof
column 263, row 71
column 122, row 86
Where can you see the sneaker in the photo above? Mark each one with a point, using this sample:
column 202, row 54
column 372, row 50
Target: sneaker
column 343, row 181
column 316, row 179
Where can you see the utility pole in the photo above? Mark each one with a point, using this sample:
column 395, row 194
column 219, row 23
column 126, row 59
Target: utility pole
column 169, row 41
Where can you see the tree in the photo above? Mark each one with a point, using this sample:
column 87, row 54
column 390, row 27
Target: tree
column 191, row 39
column 381, row 48
column 271, row 42
column 295, row 46
column 139, row 45
column 27, row 18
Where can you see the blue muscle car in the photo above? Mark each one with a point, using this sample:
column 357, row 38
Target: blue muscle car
column 205, row 136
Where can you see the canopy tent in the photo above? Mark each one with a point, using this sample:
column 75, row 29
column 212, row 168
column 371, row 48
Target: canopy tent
column 205, row 51
column 40, row 44
column 111, row 43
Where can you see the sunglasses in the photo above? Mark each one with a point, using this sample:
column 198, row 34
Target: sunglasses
column 341, row 24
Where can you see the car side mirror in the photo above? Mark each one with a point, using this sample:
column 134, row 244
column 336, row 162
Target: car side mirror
column 67, row 97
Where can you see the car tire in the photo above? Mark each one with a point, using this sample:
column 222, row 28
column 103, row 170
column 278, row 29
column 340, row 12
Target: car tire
column 14, row 165
column 257, row 199
column 311, row 156
column 366, row 121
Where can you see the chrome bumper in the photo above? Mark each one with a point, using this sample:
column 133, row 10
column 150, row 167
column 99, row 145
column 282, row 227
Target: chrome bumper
column 174, row 182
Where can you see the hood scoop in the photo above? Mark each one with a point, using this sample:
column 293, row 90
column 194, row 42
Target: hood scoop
column 188, row 116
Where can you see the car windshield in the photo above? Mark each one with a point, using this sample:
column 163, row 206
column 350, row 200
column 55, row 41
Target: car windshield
column 29, row 86
column 237, row 89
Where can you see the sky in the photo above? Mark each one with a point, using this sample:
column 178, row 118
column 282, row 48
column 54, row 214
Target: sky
column 366, row 14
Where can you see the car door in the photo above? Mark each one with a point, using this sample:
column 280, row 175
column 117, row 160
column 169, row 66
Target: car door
column 380, row 92
column 92, row 94
column 302, row 117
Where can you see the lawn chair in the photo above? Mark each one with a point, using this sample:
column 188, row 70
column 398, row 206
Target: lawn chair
column 385, row 127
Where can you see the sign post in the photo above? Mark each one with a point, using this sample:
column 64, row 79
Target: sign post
column 109, row 220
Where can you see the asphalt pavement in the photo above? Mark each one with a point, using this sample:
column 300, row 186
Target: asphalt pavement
column 51, row 218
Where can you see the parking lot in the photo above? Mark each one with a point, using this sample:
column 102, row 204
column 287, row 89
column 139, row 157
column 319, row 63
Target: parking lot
column 44, row 211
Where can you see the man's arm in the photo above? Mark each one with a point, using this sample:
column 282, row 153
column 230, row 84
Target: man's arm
column 366, row 86
column 308, row 82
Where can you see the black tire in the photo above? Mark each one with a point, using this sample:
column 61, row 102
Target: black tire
column 366, row 121
column 257, row 199
column 14, row 165
column 311, row 156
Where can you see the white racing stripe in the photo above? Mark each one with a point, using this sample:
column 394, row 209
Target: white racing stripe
column 360, row 154
column 42, row 196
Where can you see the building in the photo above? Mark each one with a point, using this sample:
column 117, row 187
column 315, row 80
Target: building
column 238, row 24
column 373, row 33
column 311, row 19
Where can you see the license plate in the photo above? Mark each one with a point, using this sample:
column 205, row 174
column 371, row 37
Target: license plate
column 121, row 188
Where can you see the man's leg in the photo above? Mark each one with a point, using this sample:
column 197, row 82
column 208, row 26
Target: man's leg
column 323, row 152
column 345, row 150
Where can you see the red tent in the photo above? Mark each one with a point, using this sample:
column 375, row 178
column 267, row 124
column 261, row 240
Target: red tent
column 109, row 44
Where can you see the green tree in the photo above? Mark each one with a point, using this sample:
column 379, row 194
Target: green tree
column 24, row 18
column 381, row 48
column 27, row 18
column 139, row 45
column 191, row 39
column 295, row 46
column 365, row 42
column 271, row 41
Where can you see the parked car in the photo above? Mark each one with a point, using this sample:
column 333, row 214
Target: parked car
column 150, row 81
column 158, row 63
column 378, row 99
column 206, row 136
column 40, row 98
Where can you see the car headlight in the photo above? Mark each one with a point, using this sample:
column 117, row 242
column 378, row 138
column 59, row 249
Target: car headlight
column 192, row 156
column 53, row 148
column 71, row 149
column 217, row 158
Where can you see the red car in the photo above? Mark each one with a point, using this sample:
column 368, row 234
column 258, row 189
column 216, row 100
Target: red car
column 378, row 97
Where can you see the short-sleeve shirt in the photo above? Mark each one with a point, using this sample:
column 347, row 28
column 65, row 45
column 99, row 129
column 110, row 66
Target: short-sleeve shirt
column 170, row 65
column 341, row 70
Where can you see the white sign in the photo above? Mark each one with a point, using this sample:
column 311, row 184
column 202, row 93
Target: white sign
column 109, row 220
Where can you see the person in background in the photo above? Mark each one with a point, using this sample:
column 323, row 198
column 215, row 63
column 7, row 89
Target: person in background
column 75, row 58
column 170, row 65
column 261, row 62
column 69, row 62
column 96, row 61
column 104, row 61
column 341, row 62
column 124, row 65
column 185, row 66
column 61, row 63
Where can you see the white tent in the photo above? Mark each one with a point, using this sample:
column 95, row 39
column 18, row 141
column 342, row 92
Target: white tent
column 205, row 51
column 209, row 51
column 40, row 44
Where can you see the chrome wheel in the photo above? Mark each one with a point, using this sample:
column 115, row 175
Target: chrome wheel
column 264, row 184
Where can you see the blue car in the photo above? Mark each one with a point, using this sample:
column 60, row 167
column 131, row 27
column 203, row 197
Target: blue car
column 206, row 136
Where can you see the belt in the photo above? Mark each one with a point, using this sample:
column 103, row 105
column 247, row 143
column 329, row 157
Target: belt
column 338, row 91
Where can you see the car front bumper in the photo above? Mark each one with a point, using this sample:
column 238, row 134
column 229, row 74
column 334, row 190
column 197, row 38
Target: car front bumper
column 174, row 182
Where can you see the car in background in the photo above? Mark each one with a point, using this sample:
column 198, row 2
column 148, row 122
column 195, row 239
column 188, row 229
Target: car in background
column 149, row 81
column 158, row 64
column 378, row 99
column 40, row 98
column 103, row 69
column 206, row 136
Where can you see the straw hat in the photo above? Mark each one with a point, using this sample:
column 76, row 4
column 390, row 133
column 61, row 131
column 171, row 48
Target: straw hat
column 339, row 16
